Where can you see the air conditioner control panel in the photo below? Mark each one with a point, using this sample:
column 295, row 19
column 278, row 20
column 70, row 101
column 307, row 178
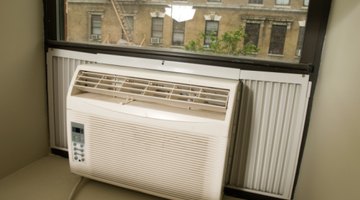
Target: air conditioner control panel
column 77, row 142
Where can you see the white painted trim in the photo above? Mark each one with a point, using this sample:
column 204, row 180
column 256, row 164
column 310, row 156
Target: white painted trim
column 157, row 14
column 72, row 54
column 146, row 63
column 274, row 76
column 302, row 23
column 169, row 66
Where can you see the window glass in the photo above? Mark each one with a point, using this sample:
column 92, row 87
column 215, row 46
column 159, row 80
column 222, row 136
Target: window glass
column 282, row 2
column 306, row 2
column 127, row 34
column 277, row 40
column 256, row 1
column 300, row 40
column 252, row 32
column 198, row 27
column 178, row 33
column 211, row 32
column 95, row 24
column 157, row 27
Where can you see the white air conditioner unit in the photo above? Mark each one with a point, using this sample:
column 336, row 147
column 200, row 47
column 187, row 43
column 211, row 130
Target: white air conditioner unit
column 155, row 40
column 95, row 37
column 161, row 133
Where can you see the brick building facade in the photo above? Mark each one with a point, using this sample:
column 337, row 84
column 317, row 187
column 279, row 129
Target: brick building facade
column 276, row 27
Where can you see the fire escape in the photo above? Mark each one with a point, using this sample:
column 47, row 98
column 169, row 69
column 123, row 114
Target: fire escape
column 125, row 24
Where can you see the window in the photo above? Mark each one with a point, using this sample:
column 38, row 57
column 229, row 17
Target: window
column 282, row 2
column 68, row 26
column 129, row 26
column 306, row 2
column 152, row 22
column 211, row 32
column 256, row 1
column 95, row 27
column 252, row 33
column 300, row 40
column 277, row 40
column 178, row 33
column 157, row 27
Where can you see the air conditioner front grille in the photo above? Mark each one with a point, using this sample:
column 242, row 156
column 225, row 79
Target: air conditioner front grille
column 174, row 94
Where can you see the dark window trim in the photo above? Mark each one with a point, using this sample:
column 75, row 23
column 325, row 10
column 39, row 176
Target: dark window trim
column 130, row 26
column 248, row 36
column 152, row 26
column 315, row 30
column 309, row 62
column 207, row 34
column 279, row 4
column 300, row 41
column 256, row 2
column 275, row 42
column 155, row 53
column 173, row 32
column 317, row 19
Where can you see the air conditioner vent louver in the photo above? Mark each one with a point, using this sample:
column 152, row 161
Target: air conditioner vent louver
column 154, row 91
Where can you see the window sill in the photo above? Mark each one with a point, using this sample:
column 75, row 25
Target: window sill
column 177, row 46
column 215, row 2
column 276, row 55
column 256, row 5
column 283, row 6
column 245, row 63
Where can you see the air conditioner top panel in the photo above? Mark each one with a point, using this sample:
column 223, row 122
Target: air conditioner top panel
column 170, row 89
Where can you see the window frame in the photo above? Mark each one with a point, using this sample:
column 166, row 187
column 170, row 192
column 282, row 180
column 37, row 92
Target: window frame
column 256, row 3
column 306, row 4
column 247, row 39
column 309, row 61
column 318, row 13
column 174, row 31
column 300, row 41
column 92, row 35
column 130, row 24
column 275, row 41
column 208, row 32
column 283, row 4
column 153, row 19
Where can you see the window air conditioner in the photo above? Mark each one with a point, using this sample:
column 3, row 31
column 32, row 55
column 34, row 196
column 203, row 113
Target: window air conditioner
column 95, row 37
column 155, row 40
column 161, row 133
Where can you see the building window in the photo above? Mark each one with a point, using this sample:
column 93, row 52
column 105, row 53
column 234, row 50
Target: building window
column 95, row 27
column 211, row 32
column 306, row 2
column 157, row 26
column 178, row 33
column 300, row 40
column 252, row 31
column 282, row 2
column 255, row 1
column 277, row 40
column 160, row 28
column 129, row 26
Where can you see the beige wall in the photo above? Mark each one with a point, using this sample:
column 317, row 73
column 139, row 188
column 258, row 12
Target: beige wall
column 331, row 163
column 23, row 118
